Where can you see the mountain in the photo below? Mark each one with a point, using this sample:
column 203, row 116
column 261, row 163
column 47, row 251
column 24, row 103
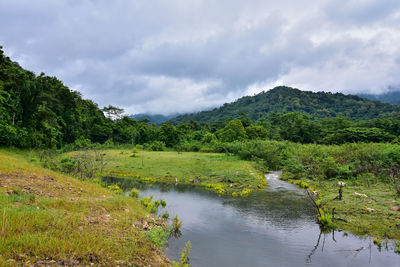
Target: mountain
column 392, row 97
column 285, row 99
column 153, row 119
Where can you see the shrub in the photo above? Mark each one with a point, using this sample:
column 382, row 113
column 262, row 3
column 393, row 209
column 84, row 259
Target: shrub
column 158, row 236
column 156, row 146
column 134, row 193
column 115, row 188
column 245, row 192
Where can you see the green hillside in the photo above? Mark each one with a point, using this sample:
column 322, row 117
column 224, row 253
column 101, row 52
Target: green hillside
column 392, row 97
column 40, row 111
column 286, row 99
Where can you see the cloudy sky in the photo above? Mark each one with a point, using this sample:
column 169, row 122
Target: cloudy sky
column 166, row 56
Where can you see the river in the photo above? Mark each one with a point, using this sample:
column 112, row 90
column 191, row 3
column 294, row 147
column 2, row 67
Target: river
column 275, row 227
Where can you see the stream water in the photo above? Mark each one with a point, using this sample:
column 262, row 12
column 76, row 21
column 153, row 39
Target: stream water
column 275, row 227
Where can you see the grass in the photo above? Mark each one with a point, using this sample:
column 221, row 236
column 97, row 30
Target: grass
column 216, row 172
column 371, row 215
column 48, row 218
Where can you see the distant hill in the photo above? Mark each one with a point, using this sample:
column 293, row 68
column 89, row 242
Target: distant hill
column 284, row 99
column 392, row 97
column 153, row 119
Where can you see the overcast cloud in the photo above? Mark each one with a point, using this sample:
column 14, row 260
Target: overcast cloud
column 166, row 56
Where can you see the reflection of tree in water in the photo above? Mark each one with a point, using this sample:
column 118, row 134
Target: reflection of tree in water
column 282, row 208
column 325, row 233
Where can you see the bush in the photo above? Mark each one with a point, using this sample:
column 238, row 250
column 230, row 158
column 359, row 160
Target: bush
column 68, row 165
column 158, row 236
column 134, row 193
column 115, row 188
column 155, row 146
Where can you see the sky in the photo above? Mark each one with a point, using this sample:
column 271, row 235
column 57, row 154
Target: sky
column 178, row 56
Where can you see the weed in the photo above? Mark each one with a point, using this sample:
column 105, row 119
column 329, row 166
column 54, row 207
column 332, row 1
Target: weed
column 184, row 259
column 245, row 192
column 158, row 236
column 134, row 193
column 115, row 188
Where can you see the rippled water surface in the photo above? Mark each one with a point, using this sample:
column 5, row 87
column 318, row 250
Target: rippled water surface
column 275, row 227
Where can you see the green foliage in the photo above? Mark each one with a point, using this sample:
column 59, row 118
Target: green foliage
column 233, row 131
column 218, row 188
column 208, row 138
column 156, row 146
column 176, row 224
column 325, row 220
column 285, row 99
column 165, row 215
column 269, row 154
column 245, row 192
column 377, row 242
column 163, row 203
column 357, row 134
column 134, row 193
column 68, row 164
column 41, row 112
column 184, row 259
column 158, row 236
column 115, row 188
column 397, row 248
column 152, row 206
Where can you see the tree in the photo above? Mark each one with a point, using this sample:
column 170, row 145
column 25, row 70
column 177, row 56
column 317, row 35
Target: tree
column 232, row 131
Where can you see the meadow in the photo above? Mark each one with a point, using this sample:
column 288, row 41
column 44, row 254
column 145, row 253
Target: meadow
column 224, row 174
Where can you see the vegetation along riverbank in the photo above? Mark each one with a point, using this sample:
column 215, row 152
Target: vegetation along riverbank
column 53, row 219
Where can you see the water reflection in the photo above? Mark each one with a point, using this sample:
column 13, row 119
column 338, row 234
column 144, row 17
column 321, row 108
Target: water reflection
column 271, row 228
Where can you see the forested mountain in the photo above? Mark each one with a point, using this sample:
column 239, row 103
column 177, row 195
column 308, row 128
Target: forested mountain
column 40, row 111
column 284, row 99
column 392, row 97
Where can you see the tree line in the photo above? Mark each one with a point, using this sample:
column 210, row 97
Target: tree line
column 41, row 112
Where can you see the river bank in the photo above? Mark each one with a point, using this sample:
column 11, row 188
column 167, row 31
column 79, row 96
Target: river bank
column 271, row 227
column 217, row 172
column 363, row 209
column 53, row 219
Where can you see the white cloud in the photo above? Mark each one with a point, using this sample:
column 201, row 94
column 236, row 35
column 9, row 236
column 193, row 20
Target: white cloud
column 182, row 56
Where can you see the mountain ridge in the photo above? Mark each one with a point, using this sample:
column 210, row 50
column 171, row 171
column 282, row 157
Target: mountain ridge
column 283, row 99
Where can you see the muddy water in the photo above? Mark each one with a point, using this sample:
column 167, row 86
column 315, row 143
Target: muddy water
column 275, row 227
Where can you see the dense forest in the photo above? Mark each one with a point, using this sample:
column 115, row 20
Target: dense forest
column 40, row 111
column 284, row 99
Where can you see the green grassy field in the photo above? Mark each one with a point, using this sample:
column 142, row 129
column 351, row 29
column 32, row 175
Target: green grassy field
column 217, row 172
column 47, row 218
column 367, row 210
